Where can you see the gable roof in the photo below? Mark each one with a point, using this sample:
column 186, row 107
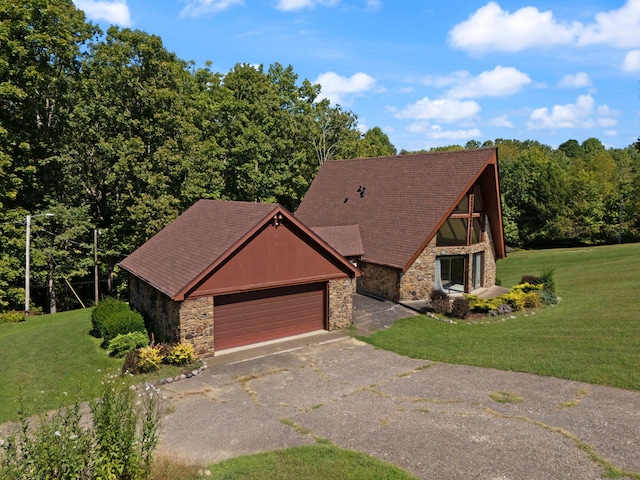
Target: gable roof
column 345, row 239
column 406, row 199
column 194, row 244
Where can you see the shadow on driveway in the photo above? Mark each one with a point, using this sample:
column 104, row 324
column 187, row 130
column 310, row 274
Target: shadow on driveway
column 371, row 314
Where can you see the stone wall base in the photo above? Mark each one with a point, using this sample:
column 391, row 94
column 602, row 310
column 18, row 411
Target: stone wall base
column 341, row 303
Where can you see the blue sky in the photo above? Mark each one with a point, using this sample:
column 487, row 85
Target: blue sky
column 429, row 73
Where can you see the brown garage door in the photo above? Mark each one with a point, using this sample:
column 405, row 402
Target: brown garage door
column 252, row 317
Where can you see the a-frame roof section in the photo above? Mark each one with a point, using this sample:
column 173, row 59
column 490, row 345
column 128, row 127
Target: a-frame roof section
column 405, row 200
column 189, row 248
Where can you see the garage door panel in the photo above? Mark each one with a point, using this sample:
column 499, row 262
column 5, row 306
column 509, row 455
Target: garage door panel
column 251, row 317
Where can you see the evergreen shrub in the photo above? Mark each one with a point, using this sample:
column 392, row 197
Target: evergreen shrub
column 120, row 323
column 103, row 310
column 180, row 354
column 124, row 343
column 12, row 317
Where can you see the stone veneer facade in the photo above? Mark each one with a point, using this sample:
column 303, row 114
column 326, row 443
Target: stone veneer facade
column 192, row 320
column 417, row 282
column 161, row 314
column 172, row 322
column 196, row 324
column 341, row 303
column 378, row 280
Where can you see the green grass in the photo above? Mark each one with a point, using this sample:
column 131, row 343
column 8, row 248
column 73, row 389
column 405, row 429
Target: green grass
column 46, row 356
column 317, row 462
column 592, row 335
column 52, row 360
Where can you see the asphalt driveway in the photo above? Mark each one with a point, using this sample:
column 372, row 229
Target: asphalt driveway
column 436, row 420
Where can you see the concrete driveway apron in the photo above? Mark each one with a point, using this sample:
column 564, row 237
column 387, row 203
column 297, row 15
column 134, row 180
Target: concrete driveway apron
column 436, row 420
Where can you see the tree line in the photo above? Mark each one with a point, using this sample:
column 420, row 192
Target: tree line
column 111, row 131
column 573, row 195
column 116, row 136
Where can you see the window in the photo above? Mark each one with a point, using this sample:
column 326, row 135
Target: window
column 465, row 226
column 450, row 273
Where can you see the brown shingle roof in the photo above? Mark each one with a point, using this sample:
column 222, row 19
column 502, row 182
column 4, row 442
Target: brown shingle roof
column 190, row 247
column 345, row 239
column 190, row 244
column 405, row 199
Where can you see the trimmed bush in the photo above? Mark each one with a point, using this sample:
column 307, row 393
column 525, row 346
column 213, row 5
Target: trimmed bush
column 532, row 300
column 121, row 323
column 440, row 302
column 180, row 354
column 514, row 299
column 548, row 298
column 527, row 287
column 460, row 307
column 124, row 343
column 533, row 280
column 12, row 317
column 103, row 310
column 149, row 358
column 482, row 305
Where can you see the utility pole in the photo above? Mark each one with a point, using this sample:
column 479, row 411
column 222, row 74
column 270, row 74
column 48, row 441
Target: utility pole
column 96, row 277
column 27, row 271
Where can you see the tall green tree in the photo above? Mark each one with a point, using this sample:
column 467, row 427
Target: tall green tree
column 375, row 143
column 40, row 48
column 41, row 45
column 132, row 138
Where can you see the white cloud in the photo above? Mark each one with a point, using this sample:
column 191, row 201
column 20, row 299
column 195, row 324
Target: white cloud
column 436, row 132
column 116, row 13
column 632, row 61
column 610, row 133
column 502, row 122
column 572, row 115
column 491, row 28
column 195, row 8
column 335, row 87
column 579, row 80
column 291, row 5
column 618, row 28
column 499, row 82
column 443, row 110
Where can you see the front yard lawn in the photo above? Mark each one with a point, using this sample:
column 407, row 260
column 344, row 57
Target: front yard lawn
column 592, row 335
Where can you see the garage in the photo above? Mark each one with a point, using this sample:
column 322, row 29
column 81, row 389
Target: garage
column 251, row 317
column 230, row 274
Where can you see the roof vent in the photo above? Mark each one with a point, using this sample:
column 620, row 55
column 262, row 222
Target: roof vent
column 361, row 191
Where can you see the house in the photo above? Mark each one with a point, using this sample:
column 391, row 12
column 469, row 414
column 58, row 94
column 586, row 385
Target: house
column 228, row 274
column 424, row 221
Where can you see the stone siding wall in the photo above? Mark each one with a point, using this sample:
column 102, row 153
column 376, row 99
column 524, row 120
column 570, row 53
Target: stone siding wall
column 161, row 314
column 378, row 280
column 417, row 282
column 341, row 303
column 196, row 324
